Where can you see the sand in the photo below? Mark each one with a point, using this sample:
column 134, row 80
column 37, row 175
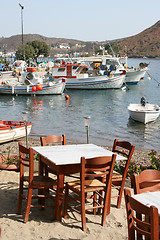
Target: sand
column 41, row 224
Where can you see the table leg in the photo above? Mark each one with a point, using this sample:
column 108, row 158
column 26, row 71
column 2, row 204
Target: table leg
column 40, row 172
column 40, row 166
column 59, row 196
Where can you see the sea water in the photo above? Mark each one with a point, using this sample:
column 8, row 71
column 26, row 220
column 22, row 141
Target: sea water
column 52, row 114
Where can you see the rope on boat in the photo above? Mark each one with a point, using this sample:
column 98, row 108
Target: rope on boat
column 154, row 79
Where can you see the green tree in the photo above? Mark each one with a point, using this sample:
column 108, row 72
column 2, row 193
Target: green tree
column 40, row 48
column 25, row 52
column 32, row 50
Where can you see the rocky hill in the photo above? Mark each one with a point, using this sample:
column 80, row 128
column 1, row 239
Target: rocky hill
column 14, row 42
column 146, row 43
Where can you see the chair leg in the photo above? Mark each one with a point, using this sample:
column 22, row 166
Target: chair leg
column 28, row 205
column 120, row 195
column 20, row 198
column 83, row 215
column 66, row 201
column 109, row 202
column 100, row 201
column 105, row 208
column 94, row 202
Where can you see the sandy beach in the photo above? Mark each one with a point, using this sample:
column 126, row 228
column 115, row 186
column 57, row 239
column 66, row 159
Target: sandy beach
column 41, row 224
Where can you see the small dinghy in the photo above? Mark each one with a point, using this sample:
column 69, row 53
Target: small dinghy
column 144, row 112
column 11, row 130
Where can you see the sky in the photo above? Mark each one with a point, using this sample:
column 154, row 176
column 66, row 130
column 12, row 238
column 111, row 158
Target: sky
column 86, row 20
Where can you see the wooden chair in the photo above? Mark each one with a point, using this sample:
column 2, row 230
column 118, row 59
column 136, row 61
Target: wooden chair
column 34, row 182
column 91, row 169
column 118, row 180
column 52, row 139
column 147, row 180
column 142, row 220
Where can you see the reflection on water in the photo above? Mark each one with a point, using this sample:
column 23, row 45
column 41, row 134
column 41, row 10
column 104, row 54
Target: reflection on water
column 107, row 108
column 148, row 133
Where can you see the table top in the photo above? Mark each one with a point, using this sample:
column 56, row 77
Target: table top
column 149, row 199
column 71, row 154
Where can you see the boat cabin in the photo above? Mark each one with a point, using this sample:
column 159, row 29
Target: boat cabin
column 70, row 70
column 31, row 77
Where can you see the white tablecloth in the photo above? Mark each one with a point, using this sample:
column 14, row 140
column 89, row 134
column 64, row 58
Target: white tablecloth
column 149, row 198
column 71, row 154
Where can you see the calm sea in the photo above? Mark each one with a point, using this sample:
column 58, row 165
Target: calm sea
column 107, row 109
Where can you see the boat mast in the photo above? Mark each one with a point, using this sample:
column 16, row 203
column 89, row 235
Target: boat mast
column 111, row 49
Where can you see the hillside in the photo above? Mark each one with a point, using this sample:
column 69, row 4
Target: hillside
column 14, row 42
column 146, row 43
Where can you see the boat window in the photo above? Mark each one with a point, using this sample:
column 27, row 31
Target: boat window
column 75, row 67
column 111, row 62
column 82, row 70
column 62, row 69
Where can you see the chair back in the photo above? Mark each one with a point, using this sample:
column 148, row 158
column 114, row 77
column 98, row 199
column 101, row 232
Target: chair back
column 126, row 149
column 97, row 167
column 53, row 139
column 142, row 220
column 26, row 159
column 147, row 180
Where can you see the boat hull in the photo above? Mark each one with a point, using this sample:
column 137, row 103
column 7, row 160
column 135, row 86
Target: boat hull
column 134, row 76
column 56, row 89
column 144, row 114
column 14, row 132
column 97, row 82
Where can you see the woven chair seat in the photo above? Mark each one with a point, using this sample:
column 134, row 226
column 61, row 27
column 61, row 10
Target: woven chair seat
column 90, row 185
column 116, row 175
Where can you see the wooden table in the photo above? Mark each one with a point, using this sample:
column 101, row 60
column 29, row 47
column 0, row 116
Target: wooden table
column 65, row 159
column 149, row 199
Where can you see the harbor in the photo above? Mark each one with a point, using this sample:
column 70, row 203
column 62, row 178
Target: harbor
column 107, row 109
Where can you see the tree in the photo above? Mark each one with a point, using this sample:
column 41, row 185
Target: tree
column 25, row 52
column 32, row 50
column 40, row 48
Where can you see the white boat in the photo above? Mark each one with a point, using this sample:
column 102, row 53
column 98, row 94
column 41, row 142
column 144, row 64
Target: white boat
column 114, row 65
column 78, row 76
column 11, row 130
column 30, row 83
column 144, row 112
column 133, row 74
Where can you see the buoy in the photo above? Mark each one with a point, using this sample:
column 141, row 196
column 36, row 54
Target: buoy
column 39, row 87
column 67, row 97
column 34, row 89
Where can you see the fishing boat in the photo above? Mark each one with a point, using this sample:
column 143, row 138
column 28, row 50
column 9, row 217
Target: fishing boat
column 144, row 112
column 79, row 76
column 134, row 74
column 11, row 130
column 117, row 65
column 30, row 83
